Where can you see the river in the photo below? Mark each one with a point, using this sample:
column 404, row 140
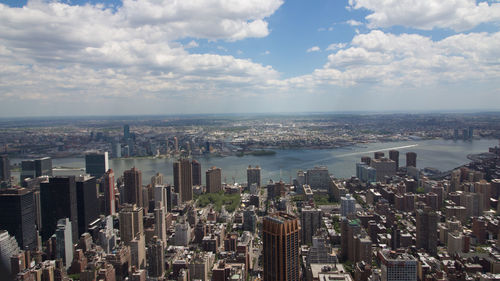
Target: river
column 341, row 162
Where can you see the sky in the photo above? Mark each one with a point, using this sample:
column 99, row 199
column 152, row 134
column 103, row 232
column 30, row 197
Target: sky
column 141, row 57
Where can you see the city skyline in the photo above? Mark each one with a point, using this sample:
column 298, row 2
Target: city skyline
column 151, row 57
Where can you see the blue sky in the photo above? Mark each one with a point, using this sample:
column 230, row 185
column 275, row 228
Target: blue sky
column 226, row 56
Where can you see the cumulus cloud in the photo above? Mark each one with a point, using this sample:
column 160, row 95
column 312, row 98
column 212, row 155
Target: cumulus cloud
column 458, row 15
column 388, row 60
column 313, row 49
column 354, row 23
column 89, row 51
column 336, row 46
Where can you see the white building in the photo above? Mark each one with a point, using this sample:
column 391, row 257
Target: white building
column 347, row 205
column 64, row 242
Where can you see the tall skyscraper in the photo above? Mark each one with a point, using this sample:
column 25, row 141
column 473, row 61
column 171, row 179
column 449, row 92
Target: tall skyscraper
column 17, row 215
column 126, row 132
column 176, row 144
column 253, row 176
column 347, row 206
column 8, row 248
column 116, row 150
column 156, row 258
column 87, row 202
column 394, row 156
column 310, row 222
column 427, row 237
column 131, row 224
column 96, row 164
column 281, row 247
column 160, row 224
column 58, row 200
column 108, row 186
column 64, row 243
column 214, row 180
column 133, row 186
column 411, row 159
column 4, row 168
column 36, row 168
column 383, row 167
column 196, row 172
column 183, row 179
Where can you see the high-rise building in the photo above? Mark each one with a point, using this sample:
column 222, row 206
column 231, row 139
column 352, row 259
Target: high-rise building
column 8, row 248
column 196, row 172
column 176, row 144
column 253, row 175
column 347, row 206
column 310, row 222
column 281, row 247
column 108, row 186
column 157, row 179
column 36, row 168
column 138, row 251
column 427, row 237
column 126, row 132
column 397, row 267
column 116, row 150
column 133, row 187
column 17, row 215
column 96, row 164
column 131, row 224
column 411, row 159
column 86, row 198
column 4, row 168
column 214, row 180
column 383, row 167
column 160, row 223
column 366, row 173
column 58, row 200
column 394, row 156
column 156, row 258
column 183, row 179
column 64, row 243
column 318, row 178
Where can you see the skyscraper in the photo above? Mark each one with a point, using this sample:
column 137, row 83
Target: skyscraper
column 281, row 247
column 17, row 215
column 310, row 222
column 196, row 172
column 36, row 168
column 160, row 224
column 96, row 164
column 156, row 258
column 411, row 159
column 58, row 200
column 394, row 156
column 347, row 206
column 183, row 179
column 131, row 224
column 108, row 186
column 253, row 175
column 427, row 230
column 126, row 132
column 133, row 186
column 214, row 180
column 4, row 168
column 64, row 243
column 87, row 202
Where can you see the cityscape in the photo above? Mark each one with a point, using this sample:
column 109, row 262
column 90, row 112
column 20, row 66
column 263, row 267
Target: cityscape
column 393, row 219
column 249, row 140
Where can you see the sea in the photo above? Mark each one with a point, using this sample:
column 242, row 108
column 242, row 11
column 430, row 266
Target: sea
column 440, row 154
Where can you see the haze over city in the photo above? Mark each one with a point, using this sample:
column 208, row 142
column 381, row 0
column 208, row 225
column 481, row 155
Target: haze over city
column 176, row 57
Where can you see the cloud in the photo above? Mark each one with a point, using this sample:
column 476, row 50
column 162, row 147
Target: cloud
column 354, row 23
column 313, row 49
column 93, row 52
column 408, row 60
column 458, row 15
column 335, row 46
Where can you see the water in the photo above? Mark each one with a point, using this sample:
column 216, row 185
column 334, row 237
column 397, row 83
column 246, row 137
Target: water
column 341, row 162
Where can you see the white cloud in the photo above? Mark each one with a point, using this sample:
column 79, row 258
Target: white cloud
column 458, row 15
column 313, row 49
column 335, row 46
column 387, row 60
column 58, row 50
column 354, row 23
